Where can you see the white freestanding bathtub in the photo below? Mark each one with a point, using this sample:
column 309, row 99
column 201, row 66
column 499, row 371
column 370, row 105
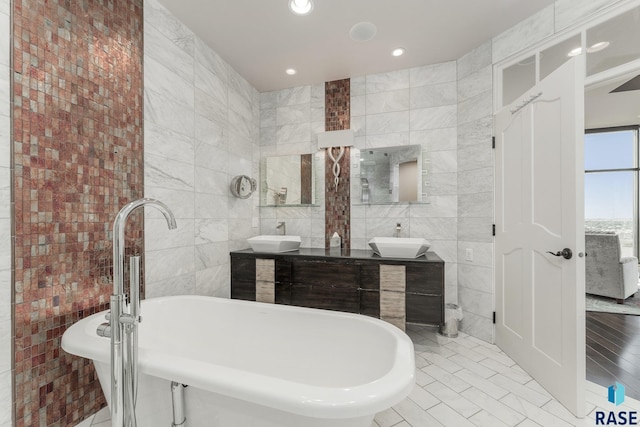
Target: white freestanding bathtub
column 255, row 364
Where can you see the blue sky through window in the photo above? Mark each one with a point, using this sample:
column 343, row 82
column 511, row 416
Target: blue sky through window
column 609, row 195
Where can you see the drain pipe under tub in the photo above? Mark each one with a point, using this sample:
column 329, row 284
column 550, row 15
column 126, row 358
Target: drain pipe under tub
column 177, row 399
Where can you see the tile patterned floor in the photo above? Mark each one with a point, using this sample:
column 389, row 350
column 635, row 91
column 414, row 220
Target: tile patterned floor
column 464, row 382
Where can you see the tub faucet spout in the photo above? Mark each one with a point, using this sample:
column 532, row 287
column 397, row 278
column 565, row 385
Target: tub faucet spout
column 118, row 235
column 124, row 319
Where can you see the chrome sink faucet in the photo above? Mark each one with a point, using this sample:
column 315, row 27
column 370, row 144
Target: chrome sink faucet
column 282, row 225
column 398, row 229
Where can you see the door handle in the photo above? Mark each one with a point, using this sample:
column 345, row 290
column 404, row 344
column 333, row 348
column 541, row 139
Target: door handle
column 565, row 253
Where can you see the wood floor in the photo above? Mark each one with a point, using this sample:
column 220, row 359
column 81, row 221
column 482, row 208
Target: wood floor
column 613, row 350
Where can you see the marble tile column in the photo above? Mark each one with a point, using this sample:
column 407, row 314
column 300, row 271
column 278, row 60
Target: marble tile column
column 475, row 192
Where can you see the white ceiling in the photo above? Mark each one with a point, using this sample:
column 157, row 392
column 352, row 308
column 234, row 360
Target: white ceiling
column 261, row 38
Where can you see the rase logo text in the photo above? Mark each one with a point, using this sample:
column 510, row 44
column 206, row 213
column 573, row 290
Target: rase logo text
column 616, row 418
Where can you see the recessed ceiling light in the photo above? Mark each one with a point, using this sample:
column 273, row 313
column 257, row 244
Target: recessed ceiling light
column 575, row 52
column 397, row 51
column 290, row 71
column 363, row 31
column 301, row 7
column 598, row 47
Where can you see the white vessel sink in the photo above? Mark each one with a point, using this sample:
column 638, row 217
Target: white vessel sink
column 399, row 247
column 274, row 243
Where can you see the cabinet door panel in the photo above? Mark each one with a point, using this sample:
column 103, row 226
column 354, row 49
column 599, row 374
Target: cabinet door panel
column 283, row 271
column 243, row 277
column 326, row 297
column 425, row 309
column 335, row 274
column 243, row 269
column 241, row 289
column 425, row 278
column 283, row 293
column 370, row 303
column 370, row 276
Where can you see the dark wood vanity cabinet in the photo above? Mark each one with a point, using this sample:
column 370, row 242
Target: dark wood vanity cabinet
column 412, row 290
column 325, row 284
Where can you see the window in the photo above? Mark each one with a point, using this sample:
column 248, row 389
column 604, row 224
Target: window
column 611, row 184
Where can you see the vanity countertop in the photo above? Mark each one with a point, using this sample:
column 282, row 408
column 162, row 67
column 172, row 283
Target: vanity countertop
column 340, row 254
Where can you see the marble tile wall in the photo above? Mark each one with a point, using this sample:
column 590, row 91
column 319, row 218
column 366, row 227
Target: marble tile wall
column 290, row 120
column 409, row 107
column 201, row 123
column 550, row 20
column 569, row 11
column 5, row 219
column 475, row 192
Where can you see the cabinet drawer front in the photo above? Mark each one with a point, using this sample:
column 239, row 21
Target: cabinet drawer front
column 425, row 309
column 330, row 298
column 426, row 279
column 334, row 274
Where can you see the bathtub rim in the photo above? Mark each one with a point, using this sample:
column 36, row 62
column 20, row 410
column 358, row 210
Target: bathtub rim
column 294, row 397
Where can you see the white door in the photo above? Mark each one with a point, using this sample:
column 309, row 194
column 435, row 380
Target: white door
column 540, row 313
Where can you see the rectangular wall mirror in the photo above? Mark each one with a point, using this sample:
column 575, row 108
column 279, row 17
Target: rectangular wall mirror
column 287, row 180
column 391, row 175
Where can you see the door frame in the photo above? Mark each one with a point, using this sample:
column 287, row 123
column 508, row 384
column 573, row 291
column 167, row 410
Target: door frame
column 629, row 69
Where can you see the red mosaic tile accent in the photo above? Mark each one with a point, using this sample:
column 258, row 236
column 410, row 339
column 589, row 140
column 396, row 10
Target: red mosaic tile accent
column 77, row 128
column 337, row 105
column 337, row 205
column 338, row 200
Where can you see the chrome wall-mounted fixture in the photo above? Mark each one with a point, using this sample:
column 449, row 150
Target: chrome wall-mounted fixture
column 364, row 182
column 282, row 225
column 243, row 186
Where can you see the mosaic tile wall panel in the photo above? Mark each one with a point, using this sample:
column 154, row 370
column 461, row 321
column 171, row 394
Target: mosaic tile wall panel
column 6, row 350
column 77, row 117
column 337, row 198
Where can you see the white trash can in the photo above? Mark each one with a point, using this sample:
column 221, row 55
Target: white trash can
column 452, row 315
